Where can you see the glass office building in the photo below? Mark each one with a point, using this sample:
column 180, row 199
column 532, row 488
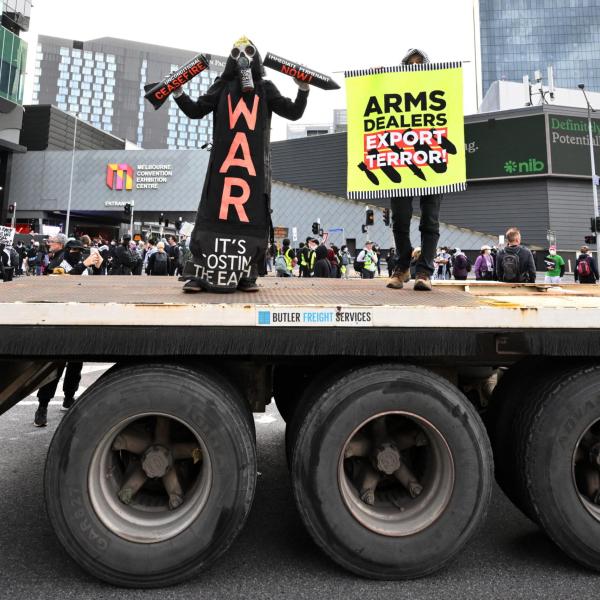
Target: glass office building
column 103, row 81
column 13, row 50
column 521, row 36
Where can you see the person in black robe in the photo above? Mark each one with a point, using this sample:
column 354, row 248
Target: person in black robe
column 232, row 225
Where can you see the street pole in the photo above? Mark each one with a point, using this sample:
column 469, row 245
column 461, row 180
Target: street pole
column 590, row 110
column 71, row 180
column 131, row 222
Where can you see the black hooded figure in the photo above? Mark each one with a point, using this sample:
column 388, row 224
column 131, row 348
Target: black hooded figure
column 231, row 232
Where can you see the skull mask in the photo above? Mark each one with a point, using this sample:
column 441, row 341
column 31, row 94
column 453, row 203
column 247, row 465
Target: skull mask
column 243, row 52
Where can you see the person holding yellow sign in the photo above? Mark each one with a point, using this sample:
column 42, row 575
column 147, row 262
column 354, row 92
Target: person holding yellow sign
column 406, row 140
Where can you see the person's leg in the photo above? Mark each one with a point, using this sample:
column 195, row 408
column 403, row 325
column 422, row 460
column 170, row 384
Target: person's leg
column 44, row 395
column 71, row 383
column 430, row 232
column 402, row 210
column 248, row 284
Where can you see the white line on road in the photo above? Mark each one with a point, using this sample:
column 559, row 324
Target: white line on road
column 264, row 419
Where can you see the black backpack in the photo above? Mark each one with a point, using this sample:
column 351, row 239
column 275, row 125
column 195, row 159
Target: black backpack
column 160, row 263
column 511, row 267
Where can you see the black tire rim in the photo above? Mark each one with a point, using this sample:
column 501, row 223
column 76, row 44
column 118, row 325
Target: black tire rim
column 149, row 478
column 396, row 473
column 586, row 469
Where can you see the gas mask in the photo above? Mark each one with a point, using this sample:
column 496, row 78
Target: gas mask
column 243, row 52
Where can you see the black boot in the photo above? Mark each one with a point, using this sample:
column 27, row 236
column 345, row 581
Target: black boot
column 248, row 284
column 67, row 403
column 41, row 416
column 192, row 286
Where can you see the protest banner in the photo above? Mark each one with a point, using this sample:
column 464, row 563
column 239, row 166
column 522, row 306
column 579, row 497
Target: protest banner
column 405, row 131
column 7, row 235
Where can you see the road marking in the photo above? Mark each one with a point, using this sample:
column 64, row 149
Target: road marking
column 264, row 419
column 80, row 391
column 35, row 402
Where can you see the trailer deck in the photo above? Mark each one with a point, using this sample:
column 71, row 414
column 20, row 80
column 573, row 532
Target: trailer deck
column 145, row 315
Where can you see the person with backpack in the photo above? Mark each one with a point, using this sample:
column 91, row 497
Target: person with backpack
column 515, row 262
column 125, row 259
column 284, row 263
column 366, row 261
column 461, row 265
column 33, row 258
column 344, row 262
column 586, row 267
column 158, row 262
column 555, row 266
column 484, row 265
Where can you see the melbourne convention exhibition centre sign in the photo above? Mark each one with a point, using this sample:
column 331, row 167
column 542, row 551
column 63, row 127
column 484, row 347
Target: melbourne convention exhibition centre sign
column 106, row 180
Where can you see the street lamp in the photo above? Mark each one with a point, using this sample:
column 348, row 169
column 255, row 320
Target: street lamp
column 71, row 179
column 590, row 110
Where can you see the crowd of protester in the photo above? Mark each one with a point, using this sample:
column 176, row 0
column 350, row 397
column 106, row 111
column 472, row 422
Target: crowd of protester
column 96, row 256
column 166, row 256
column 513, row 263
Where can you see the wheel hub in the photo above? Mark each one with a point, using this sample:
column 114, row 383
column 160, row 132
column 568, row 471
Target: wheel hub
column 396, row 473
column 149, row 478
column 156, row 461
column 387, row 458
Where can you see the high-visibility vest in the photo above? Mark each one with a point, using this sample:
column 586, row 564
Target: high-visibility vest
column 288, row 259
column 312, row 257
column 368, row 260
column 303, row 262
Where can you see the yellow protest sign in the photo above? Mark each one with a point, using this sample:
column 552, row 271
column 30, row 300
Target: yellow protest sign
column 405, row 131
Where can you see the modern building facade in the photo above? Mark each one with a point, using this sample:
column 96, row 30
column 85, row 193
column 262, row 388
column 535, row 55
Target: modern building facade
column 102, row 80
column 298, row 130
column 13, row 57
column 519, row 37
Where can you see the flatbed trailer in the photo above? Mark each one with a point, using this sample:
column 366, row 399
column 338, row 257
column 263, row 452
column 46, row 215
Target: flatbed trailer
column 399, row 405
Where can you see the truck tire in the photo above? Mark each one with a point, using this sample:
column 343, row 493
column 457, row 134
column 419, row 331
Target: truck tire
column 561, row 464
column 514, row 391
column 151, row 475
column 289, row 383
column 391, row 471
column 319, row 383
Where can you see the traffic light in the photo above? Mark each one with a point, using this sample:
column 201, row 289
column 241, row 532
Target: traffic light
column 315, row 228
column 590, row 239
column 127, row 209
column 386, row 217
column 370, row 217
column 178, row 223
column 161, row 218
column 364, row 228
column 595, row 224
column 166, row 222
column 11, row 209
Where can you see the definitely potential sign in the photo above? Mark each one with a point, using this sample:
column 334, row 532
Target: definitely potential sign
column 405, row 131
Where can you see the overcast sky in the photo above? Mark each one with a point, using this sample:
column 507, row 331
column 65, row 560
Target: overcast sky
column 326, row 36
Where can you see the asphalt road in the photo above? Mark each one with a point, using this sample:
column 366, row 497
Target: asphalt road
column 274, row 556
